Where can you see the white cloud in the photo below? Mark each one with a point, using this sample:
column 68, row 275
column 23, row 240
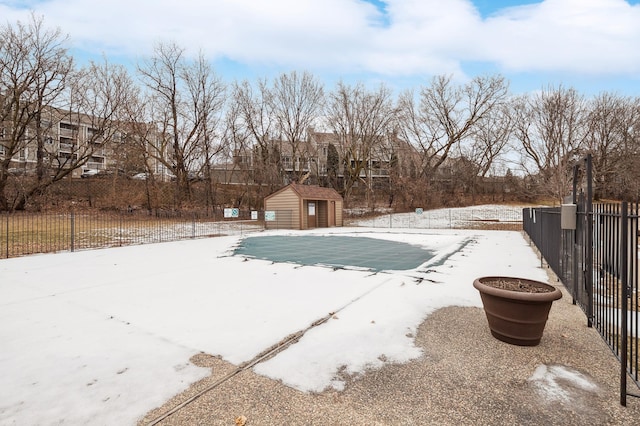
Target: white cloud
column 589, row 36
column 410, row 37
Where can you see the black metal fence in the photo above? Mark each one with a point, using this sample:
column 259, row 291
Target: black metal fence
column 598, row 263
column 29, row 233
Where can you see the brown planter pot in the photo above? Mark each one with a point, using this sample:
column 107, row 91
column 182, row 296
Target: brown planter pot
column 516, row 317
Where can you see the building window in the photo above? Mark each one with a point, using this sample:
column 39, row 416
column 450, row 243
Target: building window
column 93, row 133
column 120, row 137
column 66, row 144
column 67, row 126
column 68, row 130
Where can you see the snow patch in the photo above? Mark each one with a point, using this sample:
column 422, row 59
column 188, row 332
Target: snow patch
column 559, row 382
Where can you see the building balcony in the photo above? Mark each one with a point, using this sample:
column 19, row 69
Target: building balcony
column 95, row 165
column 99, row 152
column 374, row 173
column 67, row 147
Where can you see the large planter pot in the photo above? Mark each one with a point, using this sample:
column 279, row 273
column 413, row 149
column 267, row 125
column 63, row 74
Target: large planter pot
column 517, row 309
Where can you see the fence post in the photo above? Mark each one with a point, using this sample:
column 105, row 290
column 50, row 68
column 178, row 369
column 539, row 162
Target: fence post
column 624, row 278
column 542, row 239
column 120, row 228
column 7, row 234
column 589, row 242
column 574, row 240
column 73, row 226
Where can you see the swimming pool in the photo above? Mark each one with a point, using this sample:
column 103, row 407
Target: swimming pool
column 336, row 251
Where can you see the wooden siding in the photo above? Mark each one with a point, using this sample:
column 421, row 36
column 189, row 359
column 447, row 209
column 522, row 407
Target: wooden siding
column 285, row 200
column 339, row 213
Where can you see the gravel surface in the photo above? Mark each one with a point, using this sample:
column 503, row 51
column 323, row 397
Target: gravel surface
column 465, row 377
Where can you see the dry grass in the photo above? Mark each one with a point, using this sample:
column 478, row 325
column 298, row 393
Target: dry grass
column 24, row 234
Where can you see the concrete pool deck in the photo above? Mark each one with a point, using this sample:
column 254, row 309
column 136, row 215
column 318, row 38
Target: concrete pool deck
column 465, row 377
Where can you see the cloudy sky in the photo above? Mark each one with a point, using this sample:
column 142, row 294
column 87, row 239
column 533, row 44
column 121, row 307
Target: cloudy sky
column 591, row 45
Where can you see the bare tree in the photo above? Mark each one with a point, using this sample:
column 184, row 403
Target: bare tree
column 445, row 115
column 297, row 103
column 184, row 99
column 53, row 115
column 629, row 171
column 34, row 68
column 362, row 120
column 141, row 143
column 206, row 93
column 549, row 128
column 489, row 139
column 93, row 118
column 610, row 121
column 250, row 124
column 483, row 148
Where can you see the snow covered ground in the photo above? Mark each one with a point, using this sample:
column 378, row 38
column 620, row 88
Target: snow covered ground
column 449, row 218
column 88, row 337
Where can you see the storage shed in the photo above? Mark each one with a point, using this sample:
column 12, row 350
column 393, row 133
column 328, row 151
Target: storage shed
column 303, row 207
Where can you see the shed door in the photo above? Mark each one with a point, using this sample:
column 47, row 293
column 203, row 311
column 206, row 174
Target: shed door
column 311, row 214
column 331, row 219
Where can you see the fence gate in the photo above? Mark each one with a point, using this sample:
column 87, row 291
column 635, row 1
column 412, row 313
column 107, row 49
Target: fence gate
column 580, row 248
column 604, row 271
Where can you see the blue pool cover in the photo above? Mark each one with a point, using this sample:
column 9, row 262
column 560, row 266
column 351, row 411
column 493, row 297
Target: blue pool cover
column 335, row 251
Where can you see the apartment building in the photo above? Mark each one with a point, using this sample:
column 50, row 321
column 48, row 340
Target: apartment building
column 66, row 141
column 81, row 143
column 311, row 158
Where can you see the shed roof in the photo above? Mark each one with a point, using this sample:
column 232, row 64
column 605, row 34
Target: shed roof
column 311, row 192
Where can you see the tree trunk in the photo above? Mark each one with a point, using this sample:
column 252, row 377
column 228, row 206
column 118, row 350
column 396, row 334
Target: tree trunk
column 4, row 202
